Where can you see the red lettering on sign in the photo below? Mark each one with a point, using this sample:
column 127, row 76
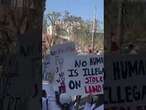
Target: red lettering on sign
column 93, row 89
column 93, row 79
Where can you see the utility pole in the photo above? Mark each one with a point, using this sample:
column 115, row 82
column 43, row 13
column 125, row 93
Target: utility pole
column 94, row 29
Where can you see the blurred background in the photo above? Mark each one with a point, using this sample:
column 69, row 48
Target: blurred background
column 78, row 21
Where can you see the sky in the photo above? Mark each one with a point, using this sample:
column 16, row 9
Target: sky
column 83, row 8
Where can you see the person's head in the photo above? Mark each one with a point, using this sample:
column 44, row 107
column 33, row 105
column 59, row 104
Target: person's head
column 44, row 94
column 65, row 100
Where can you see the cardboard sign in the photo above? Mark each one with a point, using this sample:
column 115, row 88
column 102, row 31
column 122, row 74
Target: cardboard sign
column 59, row 52
column 59, row 73
column 48, row 66
column 84, row 74
column 125, row 83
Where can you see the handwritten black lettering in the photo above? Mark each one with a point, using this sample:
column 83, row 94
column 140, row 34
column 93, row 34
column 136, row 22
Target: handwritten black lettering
column 73, row 73
column 74, row 84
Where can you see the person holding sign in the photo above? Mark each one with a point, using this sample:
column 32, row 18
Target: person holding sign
column 91, row 103
column 66, row 102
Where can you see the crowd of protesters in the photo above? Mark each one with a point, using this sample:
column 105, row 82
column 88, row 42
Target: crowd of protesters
column 64, row 102
column 55, row 100
column 52, row 100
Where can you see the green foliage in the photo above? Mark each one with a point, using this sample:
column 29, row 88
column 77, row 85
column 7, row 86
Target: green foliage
column 53, row 16
column 79, row 29
column 45, row 24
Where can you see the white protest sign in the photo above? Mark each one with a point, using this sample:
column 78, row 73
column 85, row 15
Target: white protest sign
column 125, row 82
column 48, row 67
column 84, row 74
column 59, row 52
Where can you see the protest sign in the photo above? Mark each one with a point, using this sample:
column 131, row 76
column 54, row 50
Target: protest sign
column 125, row 82
column 59, row 52
column 84, row 74
column 48, row 66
